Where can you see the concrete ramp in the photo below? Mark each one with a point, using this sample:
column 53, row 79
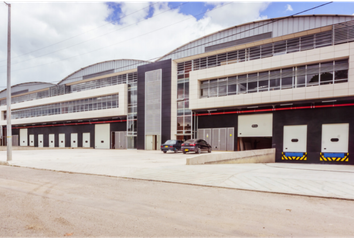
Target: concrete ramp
column 251, row 156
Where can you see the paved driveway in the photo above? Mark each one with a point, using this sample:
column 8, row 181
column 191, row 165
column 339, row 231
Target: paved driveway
column 336, row 181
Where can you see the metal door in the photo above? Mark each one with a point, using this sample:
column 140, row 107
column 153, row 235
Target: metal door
column 230, row 139
column 61, row 140
column 215, row 139
column 123, row 140
column 201, row 133
column 207, row 136
column 40, row 140
column 149, row 142
column 335, row 138
column 222, row 139
column 295, row 138
column 255, row 125
column 102, row 135
column 120, row 140
column 31, row 139
column 52, row 140
column 15, row 140
column 86, row 140
column 23, row 137
column 73, row 139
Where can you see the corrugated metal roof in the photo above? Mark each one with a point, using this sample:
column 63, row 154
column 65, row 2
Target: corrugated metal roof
column 118, row 65
column 278, row 26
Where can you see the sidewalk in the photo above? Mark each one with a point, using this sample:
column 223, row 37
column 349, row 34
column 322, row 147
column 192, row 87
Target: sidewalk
column 333, row 181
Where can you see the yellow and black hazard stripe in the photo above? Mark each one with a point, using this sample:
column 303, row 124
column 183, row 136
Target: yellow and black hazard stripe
column 334, row 157
column 294, row 156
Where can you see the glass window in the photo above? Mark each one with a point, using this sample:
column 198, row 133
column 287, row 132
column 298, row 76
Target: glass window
column 241, row 55
column 188, row 124
column 255, row 52
column 180, row 123
column 293, row 45
column 180, row 91
column 341, row 71
column 267, row 50
column 307, row 42
column 252, row 82
column 312, row 74
column 279, row 48
column 286, row 78
column 326, row 76
column 301, row 76
column 242, row 84
column 274, row 82
column 263, row 81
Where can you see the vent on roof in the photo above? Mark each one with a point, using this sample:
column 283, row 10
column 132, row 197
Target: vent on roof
column 239, row 42
column 97, row 74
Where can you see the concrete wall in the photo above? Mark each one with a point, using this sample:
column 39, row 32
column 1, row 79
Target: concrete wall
column 252, row 156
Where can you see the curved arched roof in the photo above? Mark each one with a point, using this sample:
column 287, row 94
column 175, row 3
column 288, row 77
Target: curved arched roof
column 30, row 86
column 197, row 46
column 117, row 65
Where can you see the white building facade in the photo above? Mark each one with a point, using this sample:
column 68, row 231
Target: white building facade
column 284, row 83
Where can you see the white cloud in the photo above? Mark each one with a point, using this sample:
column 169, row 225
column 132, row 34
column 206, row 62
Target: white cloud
column 36, row 25
column 289, row 8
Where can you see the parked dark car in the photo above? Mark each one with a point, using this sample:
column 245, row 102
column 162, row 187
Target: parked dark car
column 195, row 145
column 171, row 145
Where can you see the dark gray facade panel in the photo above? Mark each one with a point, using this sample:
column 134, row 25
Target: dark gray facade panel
column 166, row 66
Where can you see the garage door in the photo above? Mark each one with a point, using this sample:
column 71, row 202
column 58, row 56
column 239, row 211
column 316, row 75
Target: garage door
column 255, row 125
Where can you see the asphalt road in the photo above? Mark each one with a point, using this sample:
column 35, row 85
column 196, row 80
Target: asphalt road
column 38, row 203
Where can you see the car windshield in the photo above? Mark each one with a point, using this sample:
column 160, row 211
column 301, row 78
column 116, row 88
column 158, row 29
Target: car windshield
column 190, row 141
column 170, row 142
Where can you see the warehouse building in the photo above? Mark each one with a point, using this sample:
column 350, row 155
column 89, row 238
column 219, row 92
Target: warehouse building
column 284, row 83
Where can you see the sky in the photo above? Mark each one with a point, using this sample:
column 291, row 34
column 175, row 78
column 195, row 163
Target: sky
column 51, row 40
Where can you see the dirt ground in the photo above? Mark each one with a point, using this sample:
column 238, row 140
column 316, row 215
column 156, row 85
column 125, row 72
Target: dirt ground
column 38, row 203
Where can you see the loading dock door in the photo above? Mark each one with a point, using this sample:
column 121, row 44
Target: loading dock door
column 86, row 140
column 31, row 139
column 73, row 139
column 102, row 132
column 52, row 140
column 295, row 138
column 23, row 137
column 335, row 138
column 40, row 140
column 61, row 140
column 255, row 125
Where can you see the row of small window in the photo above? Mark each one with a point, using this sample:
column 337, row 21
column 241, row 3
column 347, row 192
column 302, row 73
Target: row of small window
column 294, row 77
column 304, row 43
column 51, row 92
column 130, row 78
column 82, row 105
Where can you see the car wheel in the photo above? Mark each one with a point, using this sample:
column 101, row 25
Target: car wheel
column 184, row 152
column 199, row 151
column 209, row 150
column 164, row 151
